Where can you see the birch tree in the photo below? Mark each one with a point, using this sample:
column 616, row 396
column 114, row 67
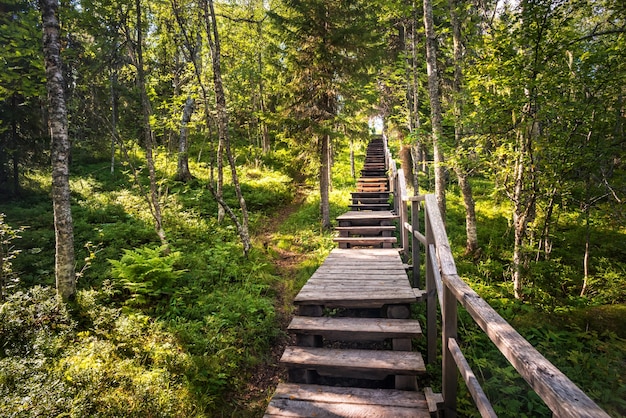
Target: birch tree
column 436, row 114
column 65, row 273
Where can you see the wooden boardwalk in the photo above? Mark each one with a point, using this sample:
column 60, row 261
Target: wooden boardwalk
column 353, row 355
column 358, row 278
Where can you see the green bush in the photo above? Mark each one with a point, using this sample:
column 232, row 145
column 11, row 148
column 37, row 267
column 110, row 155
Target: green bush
column 147, row 274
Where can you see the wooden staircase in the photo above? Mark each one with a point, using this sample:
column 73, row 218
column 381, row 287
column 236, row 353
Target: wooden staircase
column 370, row 223
column 353, row 354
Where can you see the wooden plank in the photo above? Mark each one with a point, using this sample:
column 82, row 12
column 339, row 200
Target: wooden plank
column 373, row 180
column 342, row 270
column 348, row 300
column 363, row 265
column 369, row 206
column 353, row 286
column 300, row 408
column 473, row 385
column 343, row 362
column 383, row 397
column 393, row 282
column 434, row 400
column 371, row 254
column 366, row 240
column 366, row 229
column 369, row 194
column 291, row 400
column 389, row 295
column 374, row 328
column 352, row 215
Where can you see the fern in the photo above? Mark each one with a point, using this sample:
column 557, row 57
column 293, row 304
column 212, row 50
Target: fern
column 147, row 274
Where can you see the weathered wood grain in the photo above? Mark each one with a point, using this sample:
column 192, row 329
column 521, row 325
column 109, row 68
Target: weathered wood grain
column 354, row 363
column 368, row 328
column 292, row 400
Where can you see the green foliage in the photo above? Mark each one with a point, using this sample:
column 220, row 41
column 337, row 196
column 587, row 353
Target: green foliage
column 89, row 360
column 147, row 274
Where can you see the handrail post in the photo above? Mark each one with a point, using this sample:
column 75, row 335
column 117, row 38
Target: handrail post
column 415, row 244
column 431, row 295
column 448, row 365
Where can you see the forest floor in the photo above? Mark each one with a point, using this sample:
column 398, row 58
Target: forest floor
column 265, row 377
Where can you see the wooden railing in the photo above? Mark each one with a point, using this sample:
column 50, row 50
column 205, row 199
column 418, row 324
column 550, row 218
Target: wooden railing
column 445, row 287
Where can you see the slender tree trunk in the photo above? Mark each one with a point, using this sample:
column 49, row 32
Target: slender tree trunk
column 471, row 242
column 113, row 118
column 324, row 181
column 182, row 172
column 65, row 273
column 352, row 167
column 155, row 206
column 15, row 155
column 524, row 199
column 416, row 155
column 436, row 115
column 220, row 99
column 544, row 239
column 583, row 291
column 265, row 137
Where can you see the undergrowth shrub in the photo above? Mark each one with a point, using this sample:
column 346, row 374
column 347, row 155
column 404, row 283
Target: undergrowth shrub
column 147, row 274
column 89, row 359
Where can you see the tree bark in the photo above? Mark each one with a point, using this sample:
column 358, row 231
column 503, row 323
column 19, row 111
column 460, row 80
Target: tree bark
column 436, row 115
column 182, row 172
column 220, row 100
column 114, row 101
column 324, row 181
column 65, row 273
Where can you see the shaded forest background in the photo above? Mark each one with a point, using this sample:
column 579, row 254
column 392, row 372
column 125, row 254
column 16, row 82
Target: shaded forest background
column 212, row 145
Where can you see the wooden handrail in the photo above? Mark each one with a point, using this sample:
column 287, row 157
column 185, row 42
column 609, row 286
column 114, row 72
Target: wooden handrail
column 446, row 288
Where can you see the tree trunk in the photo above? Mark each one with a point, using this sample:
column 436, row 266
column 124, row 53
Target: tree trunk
column 15, row 154
column 471, row 242
column 324, row 181
column 114, row 115
column 524, row 198
column 544, row 239
column 265, row 137
column 352, row 167
column 182, row 172
column 65, row 273
column 435, row 108
column 155, row 206
column 220, row 99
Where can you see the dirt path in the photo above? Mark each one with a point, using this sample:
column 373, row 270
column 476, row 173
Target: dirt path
column 265, row 377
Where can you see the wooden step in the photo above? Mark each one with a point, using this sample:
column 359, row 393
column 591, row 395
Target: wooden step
column 361, row 218
column 372, row 188
column 351, row 363
column 372, row 180
column 293, row 400
column 370, row 200
column 355, row 329
column 370, row 194
column 364, row 230
column 376, row 173
column 370, row 206
column 350, row 242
